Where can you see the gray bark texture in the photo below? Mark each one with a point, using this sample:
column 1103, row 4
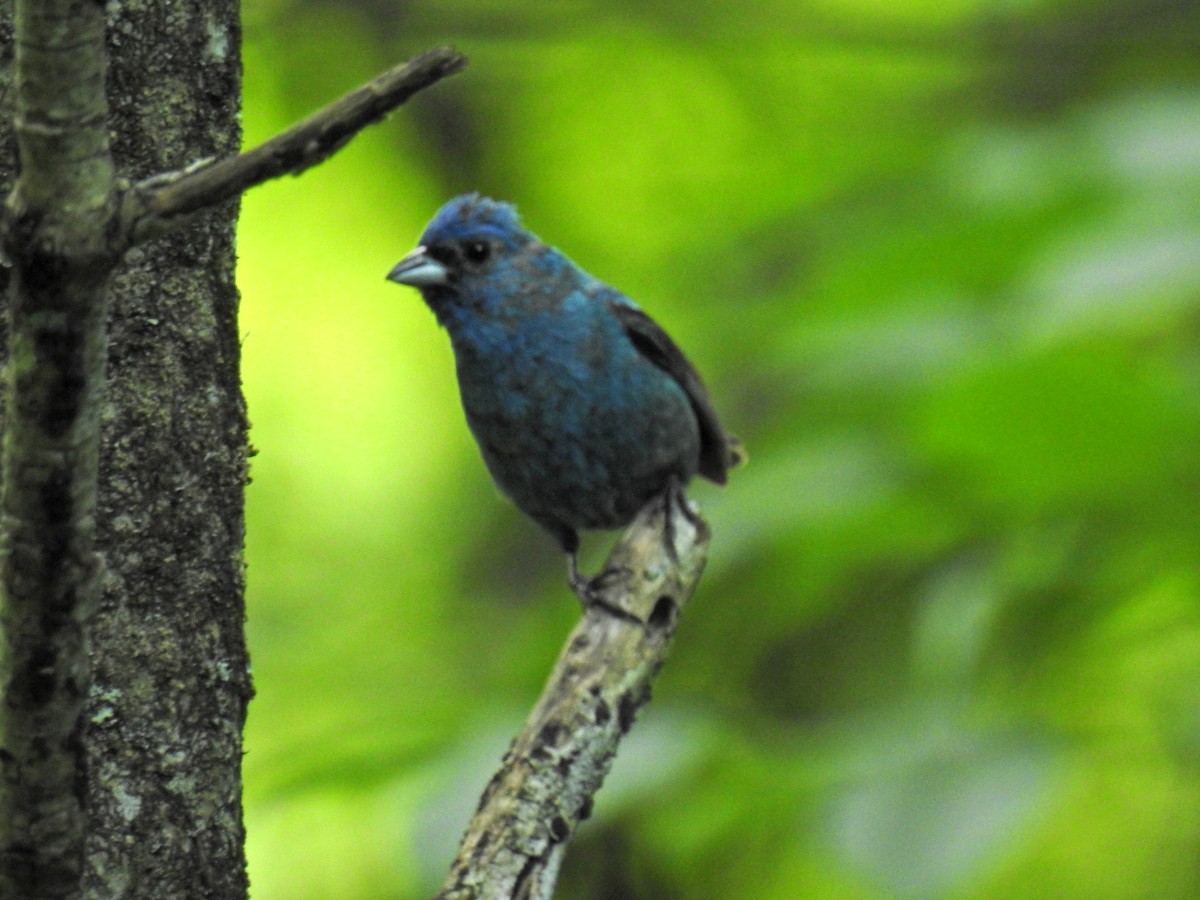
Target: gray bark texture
column 167, row 706
column 157, row 781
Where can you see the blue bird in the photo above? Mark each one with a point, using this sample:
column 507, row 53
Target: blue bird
column 582, row 406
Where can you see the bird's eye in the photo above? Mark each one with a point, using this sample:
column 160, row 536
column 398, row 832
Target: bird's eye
column 477, row 251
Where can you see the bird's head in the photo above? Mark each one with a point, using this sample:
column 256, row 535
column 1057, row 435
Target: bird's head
column 468, row 239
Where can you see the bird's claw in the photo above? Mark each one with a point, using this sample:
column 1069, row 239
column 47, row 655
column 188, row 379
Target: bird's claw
column 674, row 496
column 592, row 591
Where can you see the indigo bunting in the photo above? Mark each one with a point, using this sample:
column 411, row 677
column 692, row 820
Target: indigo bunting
column 583, row 407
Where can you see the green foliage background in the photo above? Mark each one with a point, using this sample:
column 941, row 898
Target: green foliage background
column 940, row 265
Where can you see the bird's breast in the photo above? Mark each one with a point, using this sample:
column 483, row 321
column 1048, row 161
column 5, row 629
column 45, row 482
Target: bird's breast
column 574, row 424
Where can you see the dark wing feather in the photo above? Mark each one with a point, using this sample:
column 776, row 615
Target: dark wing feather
column 718, row 451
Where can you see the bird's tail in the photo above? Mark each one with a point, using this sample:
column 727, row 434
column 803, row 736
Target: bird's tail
column 735, row 452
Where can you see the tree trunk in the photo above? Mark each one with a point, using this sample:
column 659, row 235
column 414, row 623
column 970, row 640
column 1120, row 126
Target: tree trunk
column 164, row 745
column 123, row 664
column 160, row 787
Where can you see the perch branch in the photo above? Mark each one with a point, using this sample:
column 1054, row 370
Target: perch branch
column 163, row 202
column 545, row 785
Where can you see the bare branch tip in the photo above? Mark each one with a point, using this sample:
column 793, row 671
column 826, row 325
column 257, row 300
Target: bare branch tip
column 451, row 56
column 440, row 62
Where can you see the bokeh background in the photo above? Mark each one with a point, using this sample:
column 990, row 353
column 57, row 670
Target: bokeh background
column 939, row 263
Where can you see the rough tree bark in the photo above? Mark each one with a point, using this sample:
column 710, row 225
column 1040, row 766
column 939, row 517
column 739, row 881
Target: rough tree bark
column 158, row 793
column 168, row 701
column 123, row 667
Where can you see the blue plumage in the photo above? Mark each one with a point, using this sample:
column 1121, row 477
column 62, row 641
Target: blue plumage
column 583, row 408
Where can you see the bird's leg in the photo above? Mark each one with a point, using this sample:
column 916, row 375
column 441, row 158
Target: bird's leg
column 674, row 496
column 580, row 583
column 590, row 591
column 568, row 539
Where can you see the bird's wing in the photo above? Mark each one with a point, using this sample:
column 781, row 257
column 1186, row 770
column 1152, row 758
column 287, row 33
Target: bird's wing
column 719, row 451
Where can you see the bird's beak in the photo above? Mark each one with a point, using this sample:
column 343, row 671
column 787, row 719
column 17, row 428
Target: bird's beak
column 419, row 269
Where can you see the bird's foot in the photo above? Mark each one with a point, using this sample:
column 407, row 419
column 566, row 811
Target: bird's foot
column 674, row 496
column 592, row 591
